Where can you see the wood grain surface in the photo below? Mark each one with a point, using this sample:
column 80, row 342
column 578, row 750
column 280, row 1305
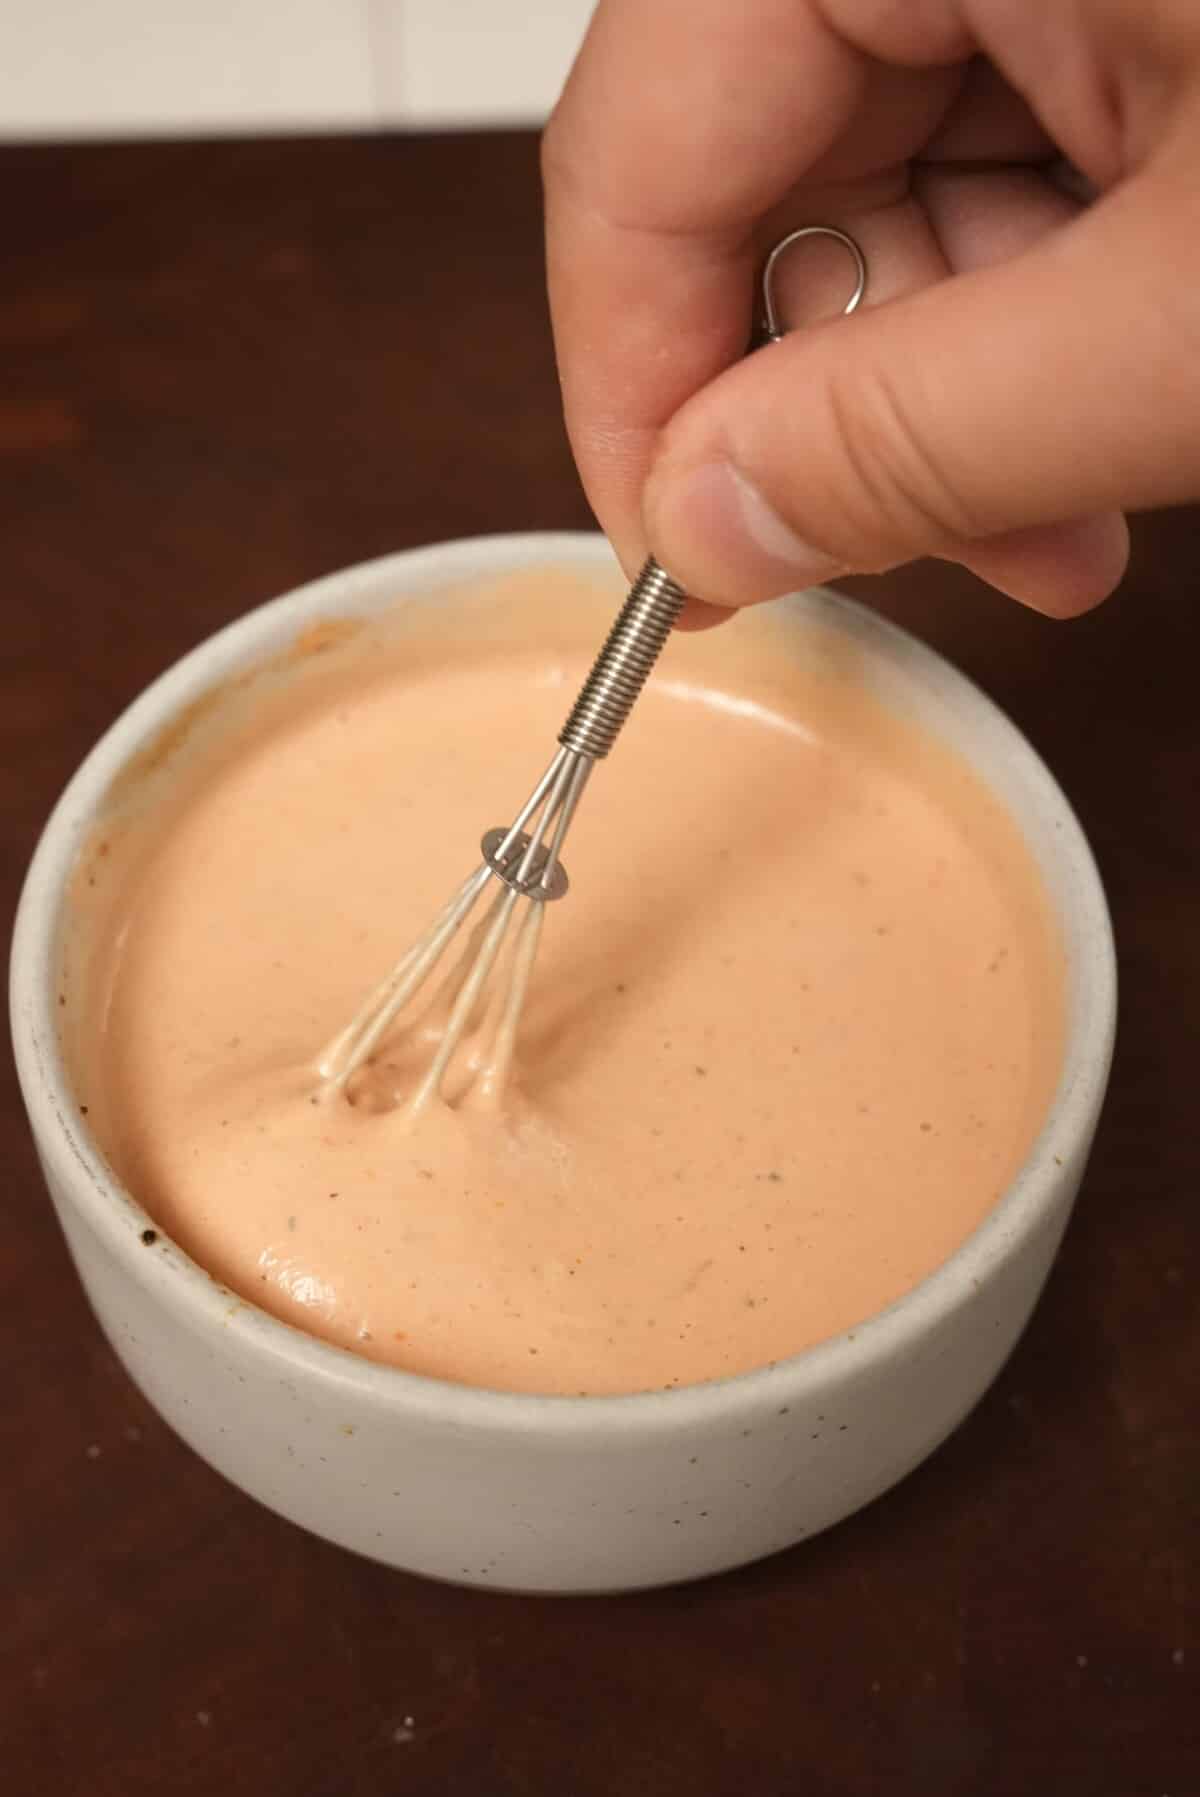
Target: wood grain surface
column 227, row 369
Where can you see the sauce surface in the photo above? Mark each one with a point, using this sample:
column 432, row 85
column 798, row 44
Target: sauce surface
column 789, row 1035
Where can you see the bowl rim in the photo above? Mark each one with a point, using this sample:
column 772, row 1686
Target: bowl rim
column 170, row 1276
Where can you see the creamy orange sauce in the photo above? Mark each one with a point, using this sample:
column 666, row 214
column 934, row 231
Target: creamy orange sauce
column 790, row 1033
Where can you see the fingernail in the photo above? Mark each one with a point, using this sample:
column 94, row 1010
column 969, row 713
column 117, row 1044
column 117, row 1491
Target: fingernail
column 714, row 531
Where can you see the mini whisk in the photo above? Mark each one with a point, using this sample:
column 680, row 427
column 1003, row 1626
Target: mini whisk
column 524, row 858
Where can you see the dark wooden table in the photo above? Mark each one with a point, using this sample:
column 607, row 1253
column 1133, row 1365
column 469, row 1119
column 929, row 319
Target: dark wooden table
column 224, row 370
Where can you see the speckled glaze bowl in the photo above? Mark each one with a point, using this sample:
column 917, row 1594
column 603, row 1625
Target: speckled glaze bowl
column 562, row 1494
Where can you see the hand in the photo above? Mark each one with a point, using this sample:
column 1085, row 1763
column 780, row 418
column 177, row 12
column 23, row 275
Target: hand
column 1024, row 369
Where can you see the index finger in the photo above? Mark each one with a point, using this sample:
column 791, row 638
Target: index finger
column 681, row 127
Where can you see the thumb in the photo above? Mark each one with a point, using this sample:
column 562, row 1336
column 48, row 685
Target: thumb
column 957, row 422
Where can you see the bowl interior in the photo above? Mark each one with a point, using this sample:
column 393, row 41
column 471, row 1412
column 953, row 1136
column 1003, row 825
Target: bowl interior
column 907, row 676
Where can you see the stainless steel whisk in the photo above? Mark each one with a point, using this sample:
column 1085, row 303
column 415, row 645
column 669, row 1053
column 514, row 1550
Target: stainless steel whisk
column 525, row 858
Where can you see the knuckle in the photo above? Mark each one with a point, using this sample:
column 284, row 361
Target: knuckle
column 887, row 492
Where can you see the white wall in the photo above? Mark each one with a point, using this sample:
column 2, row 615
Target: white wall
column 128, row 68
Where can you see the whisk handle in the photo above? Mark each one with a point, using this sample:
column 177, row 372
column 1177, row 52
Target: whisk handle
column 623, row 666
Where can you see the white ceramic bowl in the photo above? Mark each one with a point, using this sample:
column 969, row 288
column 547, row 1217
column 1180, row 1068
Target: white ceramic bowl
column 562, row 1494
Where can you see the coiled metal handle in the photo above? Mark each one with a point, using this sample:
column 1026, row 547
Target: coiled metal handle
column 623, row 666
